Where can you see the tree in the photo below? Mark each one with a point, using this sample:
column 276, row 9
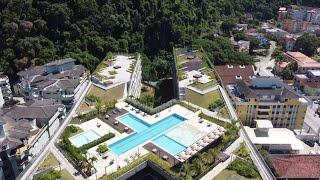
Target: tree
column 254, row 44
column 227, row 26
column 102, row 148
column 307, row 44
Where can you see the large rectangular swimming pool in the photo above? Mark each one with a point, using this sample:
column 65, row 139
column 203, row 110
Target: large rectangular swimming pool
column 143, row 132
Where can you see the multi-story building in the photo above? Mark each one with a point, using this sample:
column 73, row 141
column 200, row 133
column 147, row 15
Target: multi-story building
column 309, row 83
column 61, row 80
column 268, row 98
column 24, row 131
column 295, row 26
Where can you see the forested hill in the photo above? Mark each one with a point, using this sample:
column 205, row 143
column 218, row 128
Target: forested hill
column 34, row 32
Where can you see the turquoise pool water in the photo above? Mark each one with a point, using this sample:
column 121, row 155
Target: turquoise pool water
column 134, row 123
column 169, row 144
column 84, row 138
column 145, row 134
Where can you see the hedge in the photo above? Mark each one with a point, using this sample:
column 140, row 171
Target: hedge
column 151, row 111
column 97, row 141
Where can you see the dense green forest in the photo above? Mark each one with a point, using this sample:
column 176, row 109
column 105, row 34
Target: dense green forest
column 35, row 32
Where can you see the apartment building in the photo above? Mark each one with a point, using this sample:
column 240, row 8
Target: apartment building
column 24, row 131
column 268, row 98
column 60, row 80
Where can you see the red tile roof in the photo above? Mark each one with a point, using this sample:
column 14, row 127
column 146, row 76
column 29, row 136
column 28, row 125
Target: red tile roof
column 299, row 166
column 228, row 74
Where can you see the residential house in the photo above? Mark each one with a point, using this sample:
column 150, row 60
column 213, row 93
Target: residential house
column 291, row 167
column 242, row 46
column 60, row 80
column 268, row 98
column 309, row 82
column 304, row 62
column 24, row 131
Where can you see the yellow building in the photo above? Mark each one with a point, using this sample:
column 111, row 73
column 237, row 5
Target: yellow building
column 268, row 98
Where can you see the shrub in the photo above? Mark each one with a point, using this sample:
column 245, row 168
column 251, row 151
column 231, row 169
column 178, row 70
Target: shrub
column 96, row 142
column 102, row 148
column 244, row 168
column 135, row 103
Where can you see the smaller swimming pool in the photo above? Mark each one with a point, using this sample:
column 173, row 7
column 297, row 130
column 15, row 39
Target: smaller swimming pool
column 84, row 138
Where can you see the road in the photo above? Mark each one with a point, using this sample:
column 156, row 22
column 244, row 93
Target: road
column 264, row 170
column 266, row 63
column 27, row 174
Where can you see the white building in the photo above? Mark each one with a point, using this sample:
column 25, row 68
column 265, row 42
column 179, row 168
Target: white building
column 1, row 99
column 273, row 139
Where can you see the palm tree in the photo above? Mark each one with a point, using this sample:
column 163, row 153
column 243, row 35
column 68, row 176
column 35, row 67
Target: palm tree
column 185, row 170
column 206, row 158
column 214, row 153
column 198, row 165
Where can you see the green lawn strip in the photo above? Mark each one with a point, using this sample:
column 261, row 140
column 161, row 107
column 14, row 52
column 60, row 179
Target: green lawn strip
column 49, row 161
column 214, row 120
column 189, row 107
column 224, row 112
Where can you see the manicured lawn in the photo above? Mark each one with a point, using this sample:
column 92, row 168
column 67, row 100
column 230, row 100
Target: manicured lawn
column 228, row 174
column 213, row 120
column 49, row 161
column 65, row 175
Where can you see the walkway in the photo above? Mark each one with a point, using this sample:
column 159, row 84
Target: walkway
column 28, row 172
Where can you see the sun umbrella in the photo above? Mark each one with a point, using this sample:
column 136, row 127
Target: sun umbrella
column 188, row 151
column 206, row 139
column 194, row 146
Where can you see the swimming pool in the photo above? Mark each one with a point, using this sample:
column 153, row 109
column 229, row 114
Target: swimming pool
column 134, row 123
column 140, row 137
column 84, row 138
column 169, row 144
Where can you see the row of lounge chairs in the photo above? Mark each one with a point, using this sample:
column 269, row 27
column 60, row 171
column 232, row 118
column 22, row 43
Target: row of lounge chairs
column 200, row 144
column 132, row 157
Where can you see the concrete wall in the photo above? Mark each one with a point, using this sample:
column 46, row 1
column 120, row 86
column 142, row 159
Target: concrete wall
column 135, row 82
column 202, row 100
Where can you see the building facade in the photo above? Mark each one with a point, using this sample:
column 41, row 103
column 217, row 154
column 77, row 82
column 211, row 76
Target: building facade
column 5, row 87
column 60, row 80
column 268, row 98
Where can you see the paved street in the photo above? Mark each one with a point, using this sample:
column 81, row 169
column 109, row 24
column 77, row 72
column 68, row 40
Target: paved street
column 266, row 63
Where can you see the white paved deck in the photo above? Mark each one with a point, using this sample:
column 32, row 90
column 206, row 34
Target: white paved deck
column 92, row 125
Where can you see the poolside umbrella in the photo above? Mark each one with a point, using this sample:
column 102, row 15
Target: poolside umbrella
column 194, row 146
column 188, row 151
column 198, row 148
column 200, row 141
column 211, row 136
column 203, row 144
column 206, row 139
column 216, row 131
